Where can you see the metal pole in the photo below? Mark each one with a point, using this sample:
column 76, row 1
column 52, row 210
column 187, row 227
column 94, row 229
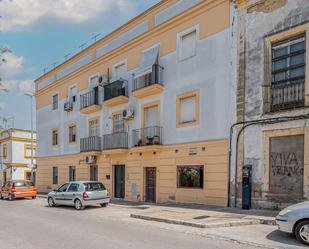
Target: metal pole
column 31, row 116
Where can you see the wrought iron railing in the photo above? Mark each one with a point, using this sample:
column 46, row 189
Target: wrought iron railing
column 287, row 95
column 154, row 77
column 115, row 89
column 88, row 144
column 90, row 98
column 117, row 140
column 147, row 136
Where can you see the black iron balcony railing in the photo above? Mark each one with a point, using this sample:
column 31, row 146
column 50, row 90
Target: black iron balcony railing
column 115, row 89
column 88, row 144
column 147, row 136
column 89, row 98
column 154, row 77
column 287, row 95
column 118, row 140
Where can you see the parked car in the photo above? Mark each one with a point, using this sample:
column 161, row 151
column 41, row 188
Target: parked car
column 12, row 190
column 295, row 219
column 79, row 194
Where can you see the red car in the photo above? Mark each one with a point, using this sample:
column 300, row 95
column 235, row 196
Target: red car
column 17, row 189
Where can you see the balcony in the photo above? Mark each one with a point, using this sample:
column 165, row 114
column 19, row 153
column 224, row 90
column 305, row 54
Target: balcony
column 148, row 84
column 89, row 102
column 287, row 95
column 90, row 144
column 115, row 142
column 150, row 137
column 115, row 93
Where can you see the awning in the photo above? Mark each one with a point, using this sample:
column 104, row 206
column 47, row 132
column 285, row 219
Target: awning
column 149, row 58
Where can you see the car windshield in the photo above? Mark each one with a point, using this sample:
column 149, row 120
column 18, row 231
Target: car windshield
column 94, row 186
column 23, row 184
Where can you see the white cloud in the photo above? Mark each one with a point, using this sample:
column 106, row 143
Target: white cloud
column 20, row 14
column 26, row 86
column 9, row 84
column 12, row 65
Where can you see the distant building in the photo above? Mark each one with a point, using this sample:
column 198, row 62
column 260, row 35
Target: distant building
column 15, row 154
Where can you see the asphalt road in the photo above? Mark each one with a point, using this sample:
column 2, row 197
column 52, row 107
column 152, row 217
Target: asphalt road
column 30, row 224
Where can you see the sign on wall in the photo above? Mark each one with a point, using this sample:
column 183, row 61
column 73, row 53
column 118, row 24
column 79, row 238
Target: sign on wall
column 286, row 167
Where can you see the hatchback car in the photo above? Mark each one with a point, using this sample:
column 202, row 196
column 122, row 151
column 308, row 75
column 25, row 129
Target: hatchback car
column 79, row 194
column 17, row 189
column 295, row 219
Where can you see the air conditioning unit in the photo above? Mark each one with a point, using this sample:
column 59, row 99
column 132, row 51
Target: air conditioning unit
column 128, row 113
column 68, row 106
column 91, row 159
column 102, row 80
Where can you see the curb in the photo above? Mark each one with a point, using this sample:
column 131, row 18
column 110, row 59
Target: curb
column 42, row 196
column 197, row 225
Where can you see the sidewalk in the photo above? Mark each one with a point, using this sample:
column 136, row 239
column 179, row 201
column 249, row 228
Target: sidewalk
column 203, row 216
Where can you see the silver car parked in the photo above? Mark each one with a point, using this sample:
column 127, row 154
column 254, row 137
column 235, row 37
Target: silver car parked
column 295, row 219
column 79, row 194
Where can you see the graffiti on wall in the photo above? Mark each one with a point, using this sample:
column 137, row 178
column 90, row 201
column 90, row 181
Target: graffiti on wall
column 286, row 171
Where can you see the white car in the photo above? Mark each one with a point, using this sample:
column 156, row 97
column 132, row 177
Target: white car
column 79, row 194
column 295, row 219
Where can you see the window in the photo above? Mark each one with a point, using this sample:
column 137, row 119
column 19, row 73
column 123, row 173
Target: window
column 72, row 134
column 73, row 93
column 94, row 186
column 93, row 172
column 5, row 151
column 72, row 173
column 27, row 175
column 55, row 137
column 187, row 45
column 94, row 128
column 63, row 188
column 55, row 102
column 118, row 123
column 73, row 187
column 119, row 71
column 94, row 81
column 288, row 73
column 151, row 116
column 55, row 175
column 187, row 109
column 27, row 151
column 190, row 176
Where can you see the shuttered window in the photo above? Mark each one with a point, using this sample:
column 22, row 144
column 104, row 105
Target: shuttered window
column 120, row 71
column 151, row 116
column 188, row 109
column 187, row 45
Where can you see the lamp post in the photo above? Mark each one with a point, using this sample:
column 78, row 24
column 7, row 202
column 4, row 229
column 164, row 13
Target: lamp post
column 2, row 89
column 31, row 117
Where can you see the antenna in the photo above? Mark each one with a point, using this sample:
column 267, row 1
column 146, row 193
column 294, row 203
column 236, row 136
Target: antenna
column 95, row 37
column 66, row 56
column 82, row 46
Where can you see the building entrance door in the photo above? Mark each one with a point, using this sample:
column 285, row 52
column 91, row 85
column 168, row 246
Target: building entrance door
column 150, row 185
column 119, row 181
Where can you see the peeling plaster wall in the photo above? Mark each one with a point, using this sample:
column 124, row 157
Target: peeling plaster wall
column 262, row 19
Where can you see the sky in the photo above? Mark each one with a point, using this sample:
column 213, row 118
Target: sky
column 41, row 32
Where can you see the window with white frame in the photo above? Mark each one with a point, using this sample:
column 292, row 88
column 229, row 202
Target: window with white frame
column 72, row 134
column 94, row 128
column 119, row 71
column 55, row 101
column 28, row 149
column 73, row 93
column 187, row 45
column 94, row 81
column 118, row 123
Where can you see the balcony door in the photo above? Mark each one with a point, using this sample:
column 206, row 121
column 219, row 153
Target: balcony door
column 118, row 123
column 94, row 128
column 151, row 123
column 120, row 71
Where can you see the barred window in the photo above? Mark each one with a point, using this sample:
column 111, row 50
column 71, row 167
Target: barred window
column 55, row 175
column 288, row 73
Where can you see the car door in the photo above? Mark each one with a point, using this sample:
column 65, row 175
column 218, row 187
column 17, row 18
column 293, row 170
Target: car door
column 60, row 194
column 71, row 193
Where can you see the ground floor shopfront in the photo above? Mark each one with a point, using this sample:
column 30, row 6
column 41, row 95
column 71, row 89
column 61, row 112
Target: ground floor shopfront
column 195, row 172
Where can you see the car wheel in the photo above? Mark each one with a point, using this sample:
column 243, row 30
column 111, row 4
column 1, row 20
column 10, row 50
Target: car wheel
column 51, row 202
column 302, row 232
column 104, row 204
column 11, row 197
column 78, row 205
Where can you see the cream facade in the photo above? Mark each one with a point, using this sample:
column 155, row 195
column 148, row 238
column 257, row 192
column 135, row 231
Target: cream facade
column 15, row 154
column 146, row 109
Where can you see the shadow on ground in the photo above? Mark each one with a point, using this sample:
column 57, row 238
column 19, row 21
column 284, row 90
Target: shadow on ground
column 284, row 238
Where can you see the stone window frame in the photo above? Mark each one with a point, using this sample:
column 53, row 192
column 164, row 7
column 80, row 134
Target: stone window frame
column 268, row 134
column 274, row 38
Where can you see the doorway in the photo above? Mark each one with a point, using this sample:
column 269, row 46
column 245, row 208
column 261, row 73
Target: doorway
column 119, row 181
column 150, row 184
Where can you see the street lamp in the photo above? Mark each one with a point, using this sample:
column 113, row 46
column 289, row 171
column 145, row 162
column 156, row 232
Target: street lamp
column 31, row 117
